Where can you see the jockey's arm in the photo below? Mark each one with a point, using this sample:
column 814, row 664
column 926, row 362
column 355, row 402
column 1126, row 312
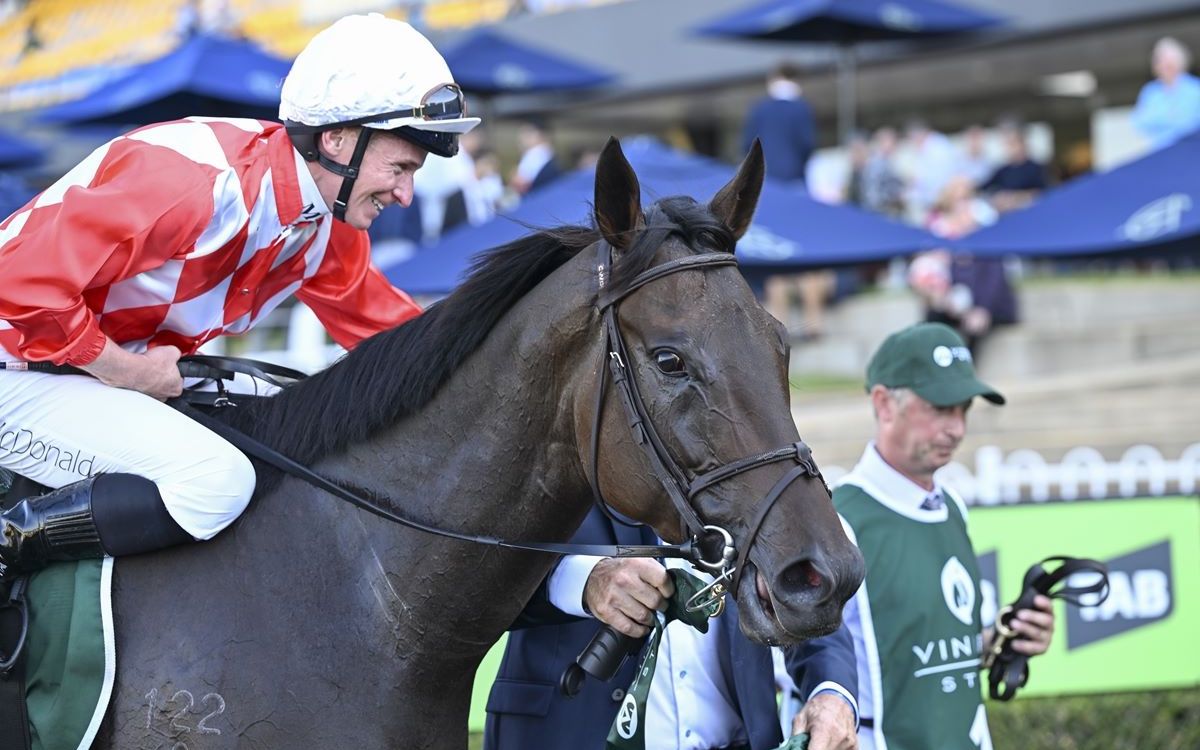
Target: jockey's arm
column 155, row 373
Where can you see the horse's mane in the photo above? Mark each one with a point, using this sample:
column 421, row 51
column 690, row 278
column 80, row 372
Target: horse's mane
column 395, row 373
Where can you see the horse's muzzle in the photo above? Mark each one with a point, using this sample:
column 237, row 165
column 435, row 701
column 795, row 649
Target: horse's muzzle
column 806, row 597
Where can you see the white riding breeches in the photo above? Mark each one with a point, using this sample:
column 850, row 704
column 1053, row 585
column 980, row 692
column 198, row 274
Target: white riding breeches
column 59, row 429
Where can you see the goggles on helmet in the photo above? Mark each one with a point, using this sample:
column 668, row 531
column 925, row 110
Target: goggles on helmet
column 444, row 102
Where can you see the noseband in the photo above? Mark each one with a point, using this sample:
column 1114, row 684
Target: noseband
column 711, row 547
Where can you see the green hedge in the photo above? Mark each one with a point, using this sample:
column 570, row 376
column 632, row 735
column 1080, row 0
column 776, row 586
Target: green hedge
column 1167, row 720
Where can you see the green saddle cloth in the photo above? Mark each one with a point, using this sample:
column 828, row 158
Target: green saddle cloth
column 68, row 669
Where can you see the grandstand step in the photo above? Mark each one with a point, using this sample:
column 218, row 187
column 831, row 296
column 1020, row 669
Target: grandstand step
column 1066, row 325
column 1026, row 350
column 1072, row 304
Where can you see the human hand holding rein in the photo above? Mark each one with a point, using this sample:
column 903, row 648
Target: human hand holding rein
column 155, row 373
column 625, row 593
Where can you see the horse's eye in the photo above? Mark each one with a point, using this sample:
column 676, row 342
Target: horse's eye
column 669, row 362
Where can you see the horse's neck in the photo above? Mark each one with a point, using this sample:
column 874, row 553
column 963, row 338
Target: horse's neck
column 494, row 454
column 502, row 430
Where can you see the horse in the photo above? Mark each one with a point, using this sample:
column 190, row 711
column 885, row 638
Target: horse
column 310, row 623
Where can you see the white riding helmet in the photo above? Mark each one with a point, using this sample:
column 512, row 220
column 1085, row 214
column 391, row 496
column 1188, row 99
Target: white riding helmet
column 379, row 73
column 374, row 71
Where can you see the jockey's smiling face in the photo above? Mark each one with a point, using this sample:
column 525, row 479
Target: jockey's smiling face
column 386, row 175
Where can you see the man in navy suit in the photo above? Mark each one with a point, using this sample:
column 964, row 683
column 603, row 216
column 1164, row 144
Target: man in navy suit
column 783, row 121
column 713, row 690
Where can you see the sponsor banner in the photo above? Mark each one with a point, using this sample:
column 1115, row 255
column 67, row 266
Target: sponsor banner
column 1143, row 636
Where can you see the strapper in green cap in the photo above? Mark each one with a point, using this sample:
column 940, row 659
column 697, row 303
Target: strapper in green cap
column 932, row 360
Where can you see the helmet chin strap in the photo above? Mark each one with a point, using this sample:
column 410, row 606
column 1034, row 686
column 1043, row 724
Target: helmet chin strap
column 348, row 172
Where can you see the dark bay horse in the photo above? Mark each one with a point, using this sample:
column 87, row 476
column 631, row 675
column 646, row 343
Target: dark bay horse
column 312, row 624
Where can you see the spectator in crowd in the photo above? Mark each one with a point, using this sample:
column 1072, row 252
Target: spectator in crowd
column 922, row 584
column 858, row 153
column 450, row 191
column 710, row 690
column 971, row 295
column 935, row 162
column 975, row 163
column 152, row 247
column 958, row 210
column 882, row 187
column 440, row 186
column 783, row 121
column 813, row 289
column 1169, row 106
column 489, row 195
column 1076, row 161
column 537, row 166
column 1017, row 181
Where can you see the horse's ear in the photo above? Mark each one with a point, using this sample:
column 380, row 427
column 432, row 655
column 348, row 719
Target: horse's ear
column 734, row 204
column 618, row 202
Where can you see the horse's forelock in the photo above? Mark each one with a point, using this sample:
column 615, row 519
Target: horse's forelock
column 678, row 216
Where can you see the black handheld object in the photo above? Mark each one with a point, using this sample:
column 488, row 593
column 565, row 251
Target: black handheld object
column 600, row 658
column 1009, row 670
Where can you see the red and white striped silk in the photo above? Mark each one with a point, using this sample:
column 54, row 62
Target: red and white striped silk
column 177, row 233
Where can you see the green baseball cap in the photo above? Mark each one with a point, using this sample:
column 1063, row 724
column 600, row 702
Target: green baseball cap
column 932, row 360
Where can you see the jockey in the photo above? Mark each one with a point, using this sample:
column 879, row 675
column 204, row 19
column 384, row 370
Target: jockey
column 175, row 234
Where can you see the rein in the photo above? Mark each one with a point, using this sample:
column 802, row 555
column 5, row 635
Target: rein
column 269, row 455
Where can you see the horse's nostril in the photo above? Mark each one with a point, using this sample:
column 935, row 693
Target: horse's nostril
column 800, row 576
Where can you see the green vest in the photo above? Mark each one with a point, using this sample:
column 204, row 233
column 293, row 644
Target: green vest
column 919, row 612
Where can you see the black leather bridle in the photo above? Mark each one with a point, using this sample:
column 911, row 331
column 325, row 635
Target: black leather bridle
column 711, row 546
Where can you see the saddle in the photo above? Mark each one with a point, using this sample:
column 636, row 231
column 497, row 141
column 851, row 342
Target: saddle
column 72, row 594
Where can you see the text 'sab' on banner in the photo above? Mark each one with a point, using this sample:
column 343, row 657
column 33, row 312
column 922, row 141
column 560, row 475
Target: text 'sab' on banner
column 1143, row 637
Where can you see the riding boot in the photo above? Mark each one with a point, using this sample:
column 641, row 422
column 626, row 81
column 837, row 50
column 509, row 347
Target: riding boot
column 55, row 526
column 109, row 514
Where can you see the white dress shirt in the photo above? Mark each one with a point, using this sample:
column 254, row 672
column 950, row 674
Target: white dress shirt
column 690, row 704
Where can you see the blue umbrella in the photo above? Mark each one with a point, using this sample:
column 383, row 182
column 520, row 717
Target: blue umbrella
column 846, row 23
column 791, row 231
column 16, row 153
column 207, row 75
column 489, row 63
column 1150, row 205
